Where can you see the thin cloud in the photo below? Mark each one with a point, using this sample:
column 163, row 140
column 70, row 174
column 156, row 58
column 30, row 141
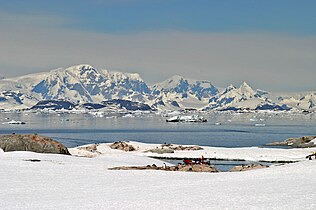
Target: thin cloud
column 271, row 61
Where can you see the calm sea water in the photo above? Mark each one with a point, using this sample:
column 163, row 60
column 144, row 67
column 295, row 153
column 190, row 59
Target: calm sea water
column 236, row 130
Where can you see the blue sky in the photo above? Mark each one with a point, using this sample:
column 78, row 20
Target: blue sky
column 268, row 43
column 121, row 16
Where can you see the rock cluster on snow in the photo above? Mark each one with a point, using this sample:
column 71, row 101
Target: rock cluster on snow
column 187, row 168
column 301, row 142
column 186, row 148
column 32, row 143
column 90, row 148
column 247, row 167
column 122, row 146
column 170, row 148
column 161, row 150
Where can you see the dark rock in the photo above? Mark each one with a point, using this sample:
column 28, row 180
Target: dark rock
column 92, row 106
column 54, row 105
column 33, row 160
column 32, row 143
column 276, row 107
column 128, row 105
column 174, row 103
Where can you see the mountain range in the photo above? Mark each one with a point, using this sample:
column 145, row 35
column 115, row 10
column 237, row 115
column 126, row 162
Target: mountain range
column 84, row 84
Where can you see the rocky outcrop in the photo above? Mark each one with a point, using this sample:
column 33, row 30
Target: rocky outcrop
column 90, row 148
column 182, row 148
column 32, row 143
column 197, row 168
column 187, row 168
column 122, row 146
column 89, row 151
column 127, row 104
column 247, row 167
column 54, row 105
column 301, row 142
column 170, row 148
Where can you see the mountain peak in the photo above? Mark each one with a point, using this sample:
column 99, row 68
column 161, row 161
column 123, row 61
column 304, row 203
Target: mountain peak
column 244, row 84
column 176, row 77
column 244, row 87
column 174, row 80
column 82, row 68
column 229, row 88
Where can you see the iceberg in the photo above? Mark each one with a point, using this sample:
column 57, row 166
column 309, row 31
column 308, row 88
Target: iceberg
column 193, row 118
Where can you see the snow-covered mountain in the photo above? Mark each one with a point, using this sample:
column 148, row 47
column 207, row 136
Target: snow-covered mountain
column 233, row 97
column 78, row 84
column 185, row 93
column 84, row 84
column 244, row 97
column 301, row 101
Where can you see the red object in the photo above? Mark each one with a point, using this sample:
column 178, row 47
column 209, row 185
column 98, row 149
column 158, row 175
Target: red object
column 187, row 161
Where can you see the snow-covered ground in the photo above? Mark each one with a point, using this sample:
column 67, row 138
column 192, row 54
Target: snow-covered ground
column 70, row 182
column 245, row 153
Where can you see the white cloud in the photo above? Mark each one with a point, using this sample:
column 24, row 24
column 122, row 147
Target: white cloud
column 271, row 61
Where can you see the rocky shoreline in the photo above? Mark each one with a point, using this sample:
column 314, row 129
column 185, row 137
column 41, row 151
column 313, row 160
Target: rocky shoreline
column 301, row 142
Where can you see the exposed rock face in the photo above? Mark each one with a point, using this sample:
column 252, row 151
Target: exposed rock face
column 122, row 146
column 32, row 143
column 91, row 106
column 54, row 105
column 247, row 167
column 302, row 142
column 187, row 148
column 187, row 168
column 126, row 104
column 170, row 148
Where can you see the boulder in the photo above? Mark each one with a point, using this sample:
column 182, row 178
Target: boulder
column 32, row 143
column 122, row 146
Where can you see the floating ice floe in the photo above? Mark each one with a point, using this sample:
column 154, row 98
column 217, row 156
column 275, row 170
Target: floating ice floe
column 193, row 118
column 13, row 122
column 260, row 124
column 128, row 116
